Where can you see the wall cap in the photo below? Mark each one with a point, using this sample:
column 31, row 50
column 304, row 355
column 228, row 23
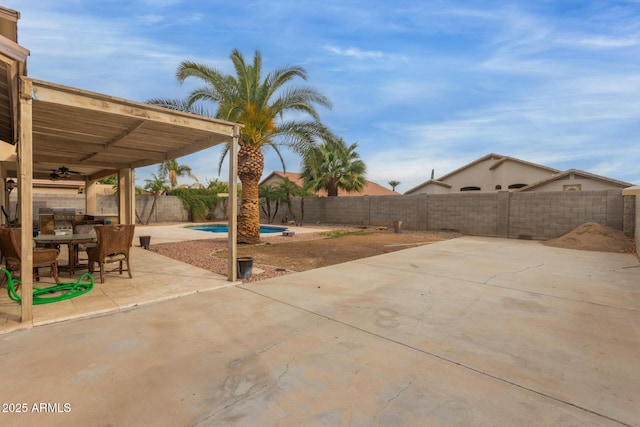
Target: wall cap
column 631, row 191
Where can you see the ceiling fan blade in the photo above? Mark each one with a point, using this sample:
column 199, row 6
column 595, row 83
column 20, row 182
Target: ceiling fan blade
column 65, row 171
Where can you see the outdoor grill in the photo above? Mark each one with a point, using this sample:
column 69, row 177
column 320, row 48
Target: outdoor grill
column 63, row 220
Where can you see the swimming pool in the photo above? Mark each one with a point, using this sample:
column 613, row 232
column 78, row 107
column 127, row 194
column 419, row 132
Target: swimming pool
column 222, row 228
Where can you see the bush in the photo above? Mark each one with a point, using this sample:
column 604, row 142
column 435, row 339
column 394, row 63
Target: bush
column 201, row 203
column 198, row 211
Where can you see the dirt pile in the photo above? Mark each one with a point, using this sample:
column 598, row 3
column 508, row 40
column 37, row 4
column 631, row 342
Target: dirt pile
column 592, row 236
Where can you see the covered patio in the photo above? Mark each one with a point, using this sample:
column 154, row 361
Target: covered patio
column 155, row 278
column 46, row 126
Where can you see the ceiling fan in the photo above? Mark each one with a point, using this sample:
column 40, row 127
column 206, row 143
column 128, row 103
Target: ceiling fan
column 62, row 172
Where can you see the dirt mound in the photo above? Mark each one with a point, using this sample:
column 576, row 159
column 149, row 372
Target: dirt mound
column 592, row 236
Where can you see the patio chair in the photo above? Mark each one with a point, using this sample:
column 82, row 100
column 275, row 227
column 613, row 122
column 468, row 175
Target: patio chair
column 84, row 227
column 113, row 244
column 11, row 250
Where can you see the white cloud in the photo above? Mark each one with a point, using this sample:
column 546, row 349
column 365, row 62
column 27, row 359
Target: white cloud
column 610, row 42
column 418, row 87
column 353, row 52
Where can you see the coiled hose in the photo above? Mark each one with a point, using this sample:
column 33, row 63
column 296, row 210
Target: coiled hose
column 58, row 292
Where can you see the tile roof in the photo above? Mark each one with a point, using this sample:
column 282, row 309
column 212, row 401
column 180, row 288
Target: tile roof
column 370, row 188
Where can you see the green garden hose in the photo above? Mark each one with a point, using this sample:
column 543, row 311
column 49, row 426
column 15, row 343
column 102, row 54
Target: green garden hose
column 58, row 292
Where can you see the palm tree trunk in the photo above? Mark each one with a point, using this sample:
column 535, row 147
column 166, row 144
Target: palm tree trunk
column 332, row 188
column 250, row 167
column 153, row 206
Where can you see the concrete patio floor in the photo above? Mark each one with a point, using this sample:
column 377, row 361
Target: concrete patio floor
column 155, row 278
column 470, row 331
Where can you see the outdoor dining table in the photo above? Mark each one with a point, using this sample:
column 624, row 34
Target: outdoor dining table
column 71, row 240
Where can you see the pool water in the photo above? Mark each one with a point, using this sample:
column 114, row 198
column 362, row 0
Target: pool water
column 222, row 228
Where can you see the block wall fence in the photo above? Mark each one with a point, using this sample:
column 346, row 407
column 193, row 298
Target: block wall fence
column 168, row 209
column 632, row 213
column 538, row 216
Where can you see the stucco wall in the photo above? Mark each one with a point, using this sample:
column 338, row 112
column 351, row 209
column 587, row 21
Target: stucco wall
column 584, row 183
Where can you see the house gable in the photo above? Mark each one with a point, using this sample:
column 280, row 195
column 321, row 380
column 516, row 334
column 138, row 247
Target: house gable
column 576, row 180
column 492, row 172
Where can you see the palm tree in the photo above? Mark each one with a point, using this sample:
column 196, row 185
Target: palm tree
column 269, row 194
column 260, row 104
column 171, row 169
column 156, row 185
column 287, row 190
column 303, row 192
column 394, row 184
column 332, row 166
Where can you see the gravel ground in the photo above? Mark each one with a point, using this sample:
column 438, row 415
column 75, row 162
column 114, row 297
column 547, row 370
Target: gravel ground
column 202, row 253
column 312, row 250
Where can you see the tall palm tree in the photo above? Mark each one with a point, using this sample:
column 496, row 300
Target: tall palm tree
column 333, row 165
column 156, row 185
column 171, row 170
column 393, row 183
column 260, row 104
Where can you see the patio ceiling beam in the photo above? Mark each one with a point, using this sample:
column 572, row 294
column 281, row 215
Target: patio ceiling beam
column 204, row 143
column 57, row 148
column 137, row 125
column 101, row 174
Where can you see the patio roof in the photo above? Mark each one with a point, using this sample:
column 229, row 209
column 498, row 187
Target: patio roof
column 52, row 126
column 98, row 135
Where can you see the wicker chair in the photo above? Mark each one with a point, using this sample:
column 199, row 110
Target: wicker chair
column 11, row 251
column 114, row 242
column 84, row 227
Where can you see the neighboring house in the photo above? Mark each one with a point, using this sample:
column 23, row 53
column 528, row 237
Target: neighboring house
column 370, row 188
column 495, row 172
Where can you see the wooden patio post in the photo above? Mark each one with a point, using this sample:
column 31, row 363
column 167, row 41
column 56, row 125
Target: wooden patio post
column 90, row 197
column 232, row 258
column 126, row 196
column 25, row 188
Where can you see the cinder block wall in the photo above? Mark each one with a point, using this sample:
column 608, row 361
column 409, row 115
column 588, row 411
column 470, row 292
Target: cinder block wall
column 552, row 214
column 632, row 205
column 169, row 208
column 503, row 214
column 467, row 212
column 383, row 210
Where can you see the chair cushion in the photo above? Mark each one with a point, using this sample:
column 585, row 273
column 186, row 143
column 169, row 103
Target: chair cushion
column 115, row 258
column 84, row 229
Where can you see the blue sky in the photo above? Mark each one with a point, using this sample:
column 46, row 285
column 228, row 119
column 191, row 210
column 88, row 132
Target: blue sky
column 419, row 85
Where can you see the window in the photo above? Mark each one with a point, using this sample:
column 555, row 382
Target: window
column 514, row 186
column 572, row 187
column 498, row 187
column 470, row 189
